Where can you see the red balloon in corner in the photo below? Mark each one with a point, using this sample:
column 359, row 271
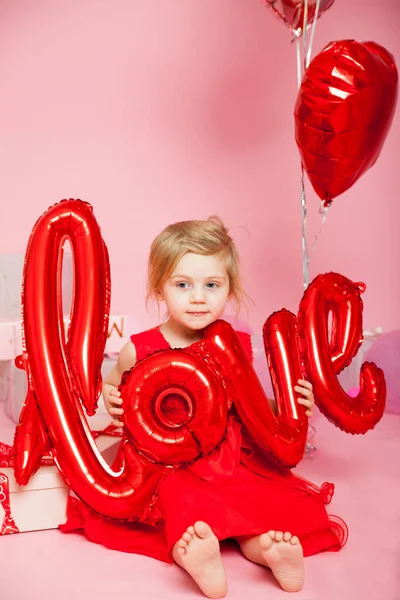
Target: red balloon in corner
column 343, row 113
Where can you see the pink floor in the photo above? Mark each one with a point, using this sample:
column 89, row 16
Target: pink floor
column 366, row 470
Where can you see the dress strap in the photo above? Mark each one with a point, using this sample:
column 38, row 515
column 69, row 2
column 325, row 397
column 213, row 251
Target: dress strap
column 148, row 342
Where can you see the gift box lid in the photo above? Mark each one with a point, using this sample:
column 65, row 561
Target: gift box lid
column 45, row 478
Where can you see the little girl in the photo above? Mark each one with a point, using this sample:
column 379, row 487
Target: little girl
column 235, row 492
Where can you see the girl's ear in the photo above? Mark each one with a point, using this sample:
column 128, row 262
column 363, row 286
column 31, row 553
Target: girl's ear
column 159, row 296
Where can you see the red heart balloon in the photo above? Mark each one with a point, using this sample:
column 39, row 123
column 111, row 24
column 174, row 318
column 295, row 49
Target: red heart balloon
column 343, row 113
column 292, row 11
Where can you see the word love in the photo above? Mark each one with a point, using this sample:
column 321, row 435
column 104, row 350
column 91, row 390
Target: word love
column 177, row 401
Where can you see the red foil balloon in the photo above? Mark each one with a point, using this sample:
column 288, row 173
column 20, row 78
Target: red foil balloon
column 343, row 113
column 292, row 12
column 30, row 440
column 175, row 407
column 54, row 367
column 42, row 317
column 177, row 401
column 55, row 392
column 283, row 435
column 90, row 311
column 326, row 353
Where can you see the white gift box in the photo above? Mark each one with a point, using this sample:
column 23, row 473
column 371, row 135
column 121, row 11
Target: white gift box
column 7, row 341
column 41, row 504
column 14, row 390
column 5, row 378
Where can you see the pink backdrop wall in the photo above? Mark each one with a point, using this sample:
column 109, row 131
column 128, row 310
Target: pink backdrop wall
column 163, row 110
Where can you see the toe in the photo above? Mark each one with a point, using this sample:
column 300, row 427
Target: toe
column 287, row 536
column 266, row 540
column 187, row 537
column 278, row 536
column 295, row 540
column 190, row 530
column 202, row 530
column 271, row 534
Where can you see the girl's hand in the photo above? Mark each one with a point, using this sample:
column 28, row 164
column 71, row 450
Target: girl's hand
column 305, row 389
column 114, row 406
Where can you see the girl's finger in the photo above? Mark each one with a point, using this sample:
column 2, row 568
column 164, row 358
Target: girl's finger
column 305, row 383
column 116, row 411
column 304, row 391
column 305, row 402
column 308, row 398
column 116, row 401
column 118, row 423
column 115, row 393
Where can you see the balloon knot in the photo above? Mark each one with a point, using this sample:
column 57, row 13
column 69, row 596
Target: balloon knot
column 19, row 362
column 361, row 287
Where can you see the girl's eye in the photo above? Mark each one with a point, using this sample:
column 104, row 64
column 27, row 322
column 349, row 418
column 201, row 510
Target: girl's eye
column 212, row 285
column 182, row 284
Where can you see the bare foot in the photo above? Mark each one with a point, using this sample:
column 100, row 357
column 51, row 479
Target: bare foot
column 198, row 553
column 283, row 554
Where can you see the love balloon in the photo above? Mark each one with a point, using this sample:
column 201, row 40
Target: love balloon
column 64, row 375
column 292, row 12
column 343, row 113
column 42, row 321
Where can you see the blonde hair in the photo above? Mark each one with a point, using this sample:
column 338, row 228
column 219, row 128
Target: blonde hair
column 207, row 238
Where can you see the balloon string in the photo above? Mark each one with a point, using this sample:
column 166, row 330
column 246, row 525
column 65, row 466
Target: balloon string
column 308, row 54
column 323, row 211
column 302, row 64
column 299, row 62
column 305, row 27
column 300, row 73
column 306, row 259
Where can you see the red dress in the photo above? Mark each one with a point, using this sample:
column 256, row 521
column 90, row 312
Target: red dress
column 233, row 489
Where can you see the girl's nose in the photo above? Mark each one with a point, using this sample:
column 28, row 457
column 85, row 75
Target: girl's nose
column 197, row 296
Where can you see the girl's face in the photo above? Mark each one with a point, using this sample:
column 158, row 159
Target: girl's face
column 197, row 291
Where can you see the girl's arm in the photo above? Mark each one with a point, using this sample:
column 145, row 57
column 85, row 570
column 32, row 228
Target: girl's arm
column 112, row 397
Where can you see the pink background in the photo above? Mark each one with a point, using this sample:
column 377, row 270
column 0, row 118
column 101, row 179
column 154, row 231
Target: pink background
column 163, row 110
